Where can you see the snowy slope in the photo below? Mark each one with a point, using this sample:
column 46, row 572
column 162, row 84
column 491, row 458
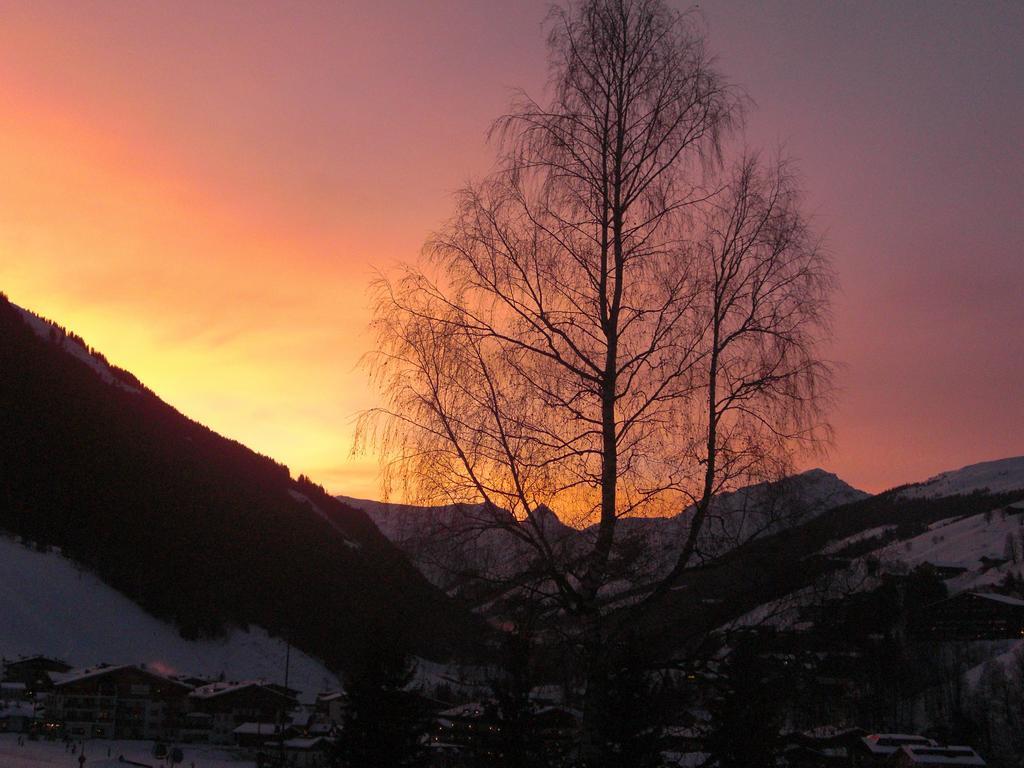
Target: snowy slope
column 995, row 476
column 50, row 606
column 964, row 542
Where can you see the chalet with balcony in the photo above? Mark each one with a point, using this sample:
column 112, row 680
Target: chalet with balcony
column 122, row 702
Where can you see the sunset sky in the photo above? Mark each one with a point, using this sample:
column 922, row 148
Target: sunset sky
column 203, row 191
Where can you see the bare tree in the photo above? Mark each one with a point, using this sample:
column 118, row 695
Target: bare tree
column 617, row 322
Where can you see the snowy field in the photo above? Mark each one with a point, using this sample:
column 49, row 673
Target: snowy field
column 35, row 754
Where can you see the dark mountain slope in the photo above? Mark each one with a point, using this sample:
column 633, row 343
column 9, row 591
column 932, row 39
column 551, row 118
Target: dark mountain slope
column 194, row 527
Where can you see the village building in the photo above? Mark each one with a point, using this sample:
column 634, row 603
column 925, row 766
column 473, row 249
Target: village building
column 946, row 571
column 308, row 752
column 470, row 730
column 331, row 706
column 311, row 722
column 970, row 616
column 123, row 702
column 230, row 705
column 821, row 746
column 33, row 672
column 256, row 735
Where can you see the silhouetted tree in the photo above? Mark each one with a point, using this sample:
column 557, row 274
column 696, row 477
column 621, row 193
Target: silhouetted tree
column 512, row 693
column 746, row 717
column 614, row 323
column 634, row 709
column 383, row 722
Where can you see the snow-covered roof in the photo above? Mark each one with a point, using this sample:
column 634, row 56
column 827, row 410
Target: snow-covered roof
column 34, row 657
column 256, row 729
column 686, row 731
column 84, row 673
column 686, row 759
column 473, row 709
column 1005, row 599
column 931, row 755
column 220, row 688
column 888, row 743
column 828, row 731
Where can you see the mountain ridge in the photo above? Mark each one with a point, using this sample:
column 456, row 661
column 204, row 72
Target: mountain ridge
column 162, row 509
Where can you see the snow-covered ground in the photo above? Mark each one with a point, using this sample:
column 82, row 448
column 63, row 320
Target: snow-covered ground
column 996, row 476
column 50, row 606
column 37, row 754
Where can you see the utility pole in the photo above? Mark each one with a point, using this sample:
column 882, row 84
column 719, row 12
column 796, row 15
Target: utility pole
column 280, row 730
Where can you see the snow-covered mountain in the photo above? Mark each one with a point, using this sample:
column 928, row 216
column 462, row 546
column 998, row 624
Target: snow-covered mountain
column 452, row 544
column 992, row 476
column 743, row 515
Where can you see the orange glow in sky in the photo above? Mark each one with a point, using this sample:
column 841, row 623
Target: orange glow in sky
column 203, row 191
